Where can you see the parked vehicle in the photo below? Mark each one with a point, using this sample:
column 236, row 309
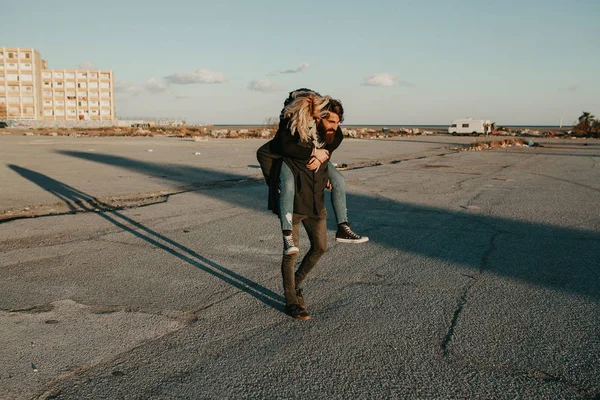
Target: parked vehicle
column 469, row 126
column 3, row 124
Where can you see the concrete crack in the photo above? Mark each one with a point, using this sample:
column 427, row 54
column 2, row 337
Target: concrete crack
column 462, row 301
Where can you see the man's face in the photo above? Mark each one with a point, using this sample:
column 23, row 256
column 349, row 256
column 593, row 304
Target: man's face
column 328, row 125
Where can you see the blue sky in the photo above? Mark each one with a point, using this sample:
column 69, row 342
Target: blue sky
column 389, row 62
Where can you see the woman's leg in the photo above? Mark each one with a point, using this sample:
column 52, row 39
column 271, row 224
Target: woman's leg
column 287, row 191
column 338, row 201
column 338, row 194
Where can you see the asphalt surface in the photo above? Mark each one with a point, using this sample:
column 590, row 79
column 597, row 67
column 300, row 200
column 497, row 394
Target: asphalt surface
column 481, row 278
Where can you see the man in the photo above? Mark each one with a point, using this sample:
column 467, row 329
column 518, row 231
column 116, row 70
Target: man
column 308, row 123
column 286, row 192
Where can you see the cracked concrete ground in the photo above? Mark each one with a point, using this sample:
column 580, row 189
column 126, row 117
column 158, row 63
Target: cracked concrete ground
column 480, row 280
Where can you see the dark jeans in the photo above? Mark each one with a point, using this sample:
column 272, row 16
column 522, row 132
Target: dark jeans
column 317, row 234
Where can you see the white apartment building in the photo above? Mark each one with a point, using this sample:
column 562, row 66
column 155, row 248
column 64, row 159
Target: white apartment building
column 29, row 90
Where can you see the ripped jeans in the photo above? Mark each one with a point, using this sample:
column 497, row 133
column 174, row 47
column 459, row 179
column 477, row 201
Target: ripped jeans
column 287, row 190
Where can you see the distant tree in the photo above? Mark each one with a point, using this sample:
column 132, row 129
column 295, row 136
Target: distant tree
column 587, row 124
column 587, row 118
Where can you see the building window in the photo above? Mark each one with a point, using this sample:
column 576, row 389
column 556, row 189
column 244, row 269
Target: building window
column 93, row 85
column 14, row 110
column 47, row 84
column 27, row 78
column 47, row 102
column 12, row 77
column 82, row 75
column 28, row 88
column 28, row 99
column 12, row 55
column 26, row 66
column 71, row 85
column 59, row 102
column 105, row 112
column 12, row 66
column 93, row 94
column 94, row 103
column 59, row 112
column 104, row 85
column 60, row 84
column 69, row 75
column 1, row 56
column 2, row 88
column 25, row 55
column 72, row 112
column 14, row 99
column 28, row 110
column 104, row 76
column 82, row 85
column 105, row 94
column 47, row 94
column 93, row 75
column 46, row 75
column 58, row 75
column 48, row 113
column 1, row 77
column 13, row 88
column 71, row 102
column 105, row 103
column 94, row 112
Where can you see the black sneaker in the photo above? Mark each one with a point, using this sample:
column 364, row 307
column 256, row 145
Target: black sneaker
column 297, row 312
column 345, row 235
column 300, row 298
column 289, row 247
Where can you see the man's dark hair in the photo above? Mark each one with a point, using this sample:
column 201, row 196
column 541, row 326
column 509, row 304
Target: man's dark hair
column 335, row 106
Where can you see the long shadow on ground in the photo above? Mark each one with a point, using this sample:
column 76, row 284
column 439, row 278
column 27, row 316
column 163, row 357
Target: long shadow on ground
column 76, row 200
column 538, row 254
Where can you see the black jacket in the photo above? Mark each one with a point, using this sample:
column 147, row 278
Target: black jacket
column 310, row 186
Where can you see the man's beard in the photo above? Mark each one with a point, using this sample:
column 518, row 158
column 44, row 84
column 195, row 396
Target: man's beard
column 325, row 134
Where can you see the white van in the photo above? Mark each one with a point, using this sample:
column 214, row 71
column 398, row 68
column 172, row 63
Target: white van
column 469, row 126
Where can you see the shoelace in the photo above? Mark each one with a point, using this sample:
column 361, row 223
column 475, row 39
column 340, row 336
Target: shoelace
column 350, row 233
column 289, row 241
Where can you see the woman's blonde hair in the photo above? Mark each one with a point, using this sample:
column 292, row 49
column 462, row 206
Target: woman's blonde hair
column 303, row 110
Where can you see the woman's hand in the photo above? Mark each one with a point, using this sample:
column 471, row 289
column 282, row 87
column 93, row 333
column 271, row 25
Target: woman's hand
column 313, row 164
column 321, row 154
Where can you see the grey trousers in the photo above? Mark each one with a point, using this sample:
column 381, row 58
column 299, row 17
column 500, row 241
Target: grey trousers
column 316, row 229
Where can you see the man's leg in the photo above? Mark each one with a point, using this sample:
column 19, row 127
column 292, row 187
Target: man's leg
column 316, row 228
column 338, row 201
column 288, row 263
column 287, row 190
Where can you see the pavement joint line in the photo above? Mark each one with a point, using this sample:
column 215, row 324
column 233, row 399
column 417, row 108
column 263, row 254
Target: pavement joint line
column 567, row 181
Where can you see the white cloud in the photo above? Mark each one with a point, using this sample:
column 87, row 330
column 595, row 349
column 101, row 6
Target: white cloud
column 264, row 85
column 385, row 80
column 85, row 65
column 155, row 86
column 301, row 68
column 196, row 76
column 127, row 88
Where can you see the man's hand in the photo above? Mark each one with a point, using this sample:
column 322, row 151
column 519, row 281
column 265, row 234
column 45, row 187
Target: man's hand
column 329, row 186
column 313, row 164
column 321, row 154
